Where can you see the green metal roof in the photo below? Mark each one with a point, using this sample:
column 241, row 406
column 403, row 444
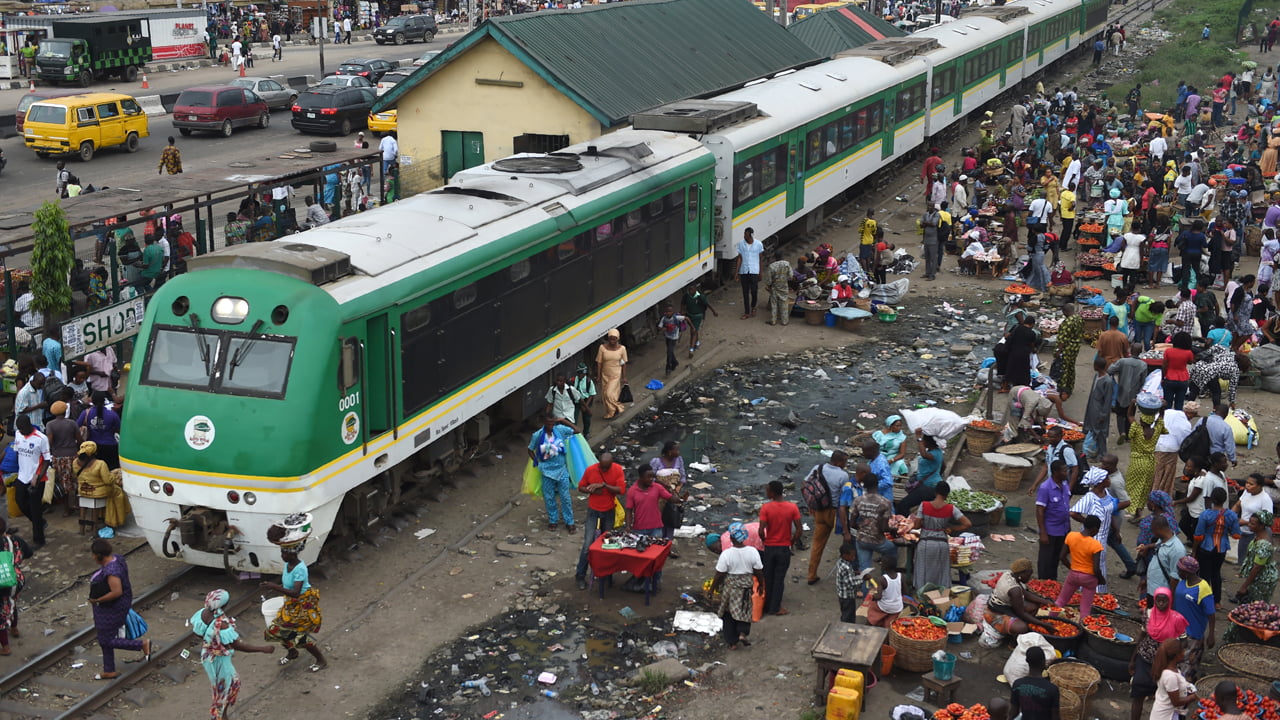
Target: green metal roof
column 621, row 58
column 832, row 31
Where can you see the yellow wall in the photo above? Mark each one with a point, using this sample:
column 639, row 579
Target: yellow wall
column 450, row 99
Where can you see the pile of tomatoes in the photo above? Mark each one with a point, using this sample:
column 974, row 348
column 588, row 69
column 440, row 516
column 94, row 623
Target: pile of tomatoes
column 1099, row 625
column 1072, row 435
column 984, row 425
column 956, row 711
column 1045, row 588
column 1253, row 705
column 1101, row 601
column 1060, row 629
column 918, row 628
column 1021, row 289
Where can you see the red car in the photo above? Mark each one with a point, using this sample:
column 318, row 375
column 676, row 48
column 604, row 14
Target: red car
column 220, row 108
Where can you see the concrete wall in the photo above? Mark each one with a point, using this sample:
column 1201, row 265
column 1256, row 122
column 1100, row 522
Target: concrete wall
column 451, row 99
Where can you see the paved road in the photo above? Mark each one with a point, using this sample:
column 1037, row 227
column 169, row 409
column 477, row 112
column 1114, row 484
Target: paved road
column 29, row 180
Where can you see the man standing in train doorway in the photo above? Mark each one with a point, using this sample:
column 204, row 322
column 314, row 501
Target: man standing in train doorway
column 748, row 271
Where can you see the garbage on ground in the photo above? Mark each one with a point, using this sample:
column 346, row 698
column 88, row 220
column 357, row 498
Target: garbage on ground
column 699, row 622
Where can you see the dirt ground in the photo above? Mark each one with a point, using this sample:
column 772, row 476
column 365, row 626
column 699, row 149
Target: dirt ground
column 389, row 607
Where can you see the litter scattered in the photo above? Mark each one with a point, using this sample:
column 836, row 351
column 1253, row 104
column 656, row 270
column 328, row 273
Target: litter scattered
column 425, row 533
column 699, row 622
column 689, row 531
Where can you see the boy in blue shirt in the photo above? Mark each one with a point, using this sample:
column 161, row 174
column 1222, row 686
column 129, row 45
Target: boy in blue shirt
column 1193, row 599
column 1214, row 529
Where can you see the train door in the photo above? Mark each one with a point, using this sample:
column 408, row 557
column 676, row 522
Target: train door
column 795, row 172
column 378, row 376
column 696, row 232
column 888, row 123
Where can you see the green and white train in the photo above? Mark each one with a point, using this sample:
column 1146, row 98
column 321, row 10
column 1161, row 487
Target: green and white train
column 317, row 373
column 320, row 373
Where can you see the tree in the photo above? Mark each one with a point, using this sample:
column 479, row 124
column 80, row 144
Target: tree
column 51, row 260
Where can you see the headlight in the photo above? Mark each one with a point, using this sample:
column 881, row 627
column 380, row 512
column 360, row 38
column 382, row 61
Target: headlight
column 230, row 310
column 68, row 71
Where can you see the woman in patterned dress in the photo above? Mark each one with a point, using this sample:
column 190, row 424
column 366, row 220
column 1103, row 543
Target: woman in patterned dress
column 300, row 615
column 1070, row 333
column 9, row 597
column 219, row 641
column 1143, row 435
column 112, row 607
column 1258, row 569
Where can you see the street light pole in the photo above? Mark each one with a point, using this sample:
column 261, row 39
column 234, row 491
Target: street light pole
column 321, row 32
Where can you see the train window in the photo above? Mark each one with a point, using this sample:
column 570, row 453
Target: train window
column 570, row 291
column 694, row 197
column 634, row 219
column 464, row 296
column 944, row 82
column 655, row 208
column 769, row 170
column 910, row 101
column 349, row 364
column 1013, row 51
column 519, row 271
column 745, row 188
column 523, row 317
column 181, row 358
column 848, row 132
column 814, row 144
column 416, row 319
column 256, row 365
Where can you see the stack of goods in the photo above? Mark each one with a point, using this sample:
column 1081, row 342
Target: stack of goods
column 965, row 549
column 956, row 711
column 903, row 527
column 916, row 639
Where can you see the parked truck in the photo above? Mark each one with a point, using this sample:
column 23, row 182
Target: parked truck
column 80, row 51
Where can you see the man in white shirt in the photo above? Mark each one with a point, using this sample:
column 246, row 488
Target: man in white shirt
column 27, row 315
column 1183, row 184
column 34, row 457
column 30, row 402
column 1177, row 426
column 960, row 195
column 236, row 57
column 316, row 214
column 1199, row 199
column 1071, row 177
column 390, row 148
column 1158, row 147
column 346, row 29
column 1039, row 213
column 748, row 271
column 277, row 50
column 100, row 363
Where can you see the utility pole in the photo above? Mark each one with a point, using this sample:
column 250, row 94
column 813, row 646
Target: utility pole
column 321, row 31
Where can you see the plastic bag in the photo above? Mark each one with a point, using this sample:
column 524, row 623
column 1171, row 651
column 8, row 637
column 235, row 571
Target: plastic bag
column 891, row 293
column 580, row 457
column 757, row 601
column 1015, row 668
column 532, row 480
column 619, row 513
column 935, row 422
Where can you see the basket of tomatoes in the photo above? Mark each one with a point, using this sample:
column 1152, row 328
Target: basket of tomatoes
column 916, row 639
column 1113, row 637
column 1251, row 697
column 1063, row 635
column 956, row 711
column 981, row 436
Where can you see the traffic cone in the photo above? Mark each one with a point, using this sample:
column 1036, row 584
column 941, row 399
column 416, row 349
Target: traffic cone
column 32, row 83
column 242, row 72
column 145, row 85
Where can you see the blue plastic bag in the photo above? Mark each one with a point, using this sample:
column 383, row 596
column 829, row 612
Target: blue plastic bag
column 654, row 385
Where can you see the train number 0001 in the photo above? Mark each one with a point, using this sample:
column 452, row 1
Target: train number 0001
column 348, row 402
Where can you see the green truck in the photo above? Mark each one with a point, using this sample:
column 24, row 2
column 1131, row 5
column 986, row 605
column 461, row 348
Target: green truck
column 81, row 51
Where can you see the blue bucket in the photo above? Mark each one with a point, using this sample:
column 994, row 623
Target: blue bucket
column 943, row 670
column 829, row 319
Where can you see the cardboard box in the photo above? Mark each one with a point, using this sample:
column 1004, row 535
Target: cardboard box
column 961, row 628
column 940, row 598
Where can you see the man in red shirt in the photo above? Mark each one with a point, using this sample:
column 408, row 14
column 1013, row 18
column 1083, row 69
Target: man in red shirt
column 603, row 483
column 931, row 164
column 780, row 529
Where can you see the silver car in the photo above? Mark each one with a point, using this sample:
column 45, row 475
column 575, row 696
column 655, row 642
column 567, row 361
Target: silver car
column 346, row 81
column 390, row 80
column 274, row 94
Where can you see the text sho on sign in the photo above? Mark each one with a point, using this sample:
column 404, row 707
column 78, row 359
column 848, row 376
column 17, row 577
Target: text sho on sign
column 98, row 329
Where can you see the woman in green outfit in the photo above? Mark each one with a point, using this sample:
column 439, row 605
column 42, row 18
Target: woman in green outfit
column 1143, row 435
column 892, row 442
column 1070, row 333
column 219, row 641
column 1258, row 568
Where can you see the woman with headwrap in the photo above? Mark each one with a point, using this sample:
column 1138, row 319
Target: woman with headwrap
column 1143, row 434
column 737, row 571
column 1259, row 567
column 936, row 520
column 1163, row 623
column 1070, row 334
column 219, row 641
column 1116, row 209
column 892, row 441
column 611, row 372
column 95, row 480
column 111, row 595
column 1061, row 282
column 300, row 615
column 1010, row 609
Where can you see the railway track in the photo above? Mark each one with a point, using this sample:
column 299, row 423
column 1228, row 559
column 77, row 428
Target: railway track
column 58, row 684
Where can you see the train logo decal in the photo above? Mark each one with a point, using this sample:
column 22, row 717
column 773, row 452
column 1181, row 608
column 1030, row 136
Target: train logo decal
column 199, row 432
column 350, row 428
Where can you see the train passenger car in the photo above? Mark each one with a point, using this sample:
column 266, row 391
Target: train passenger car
column 318, row 372
column 1053, row 30
column 979, row 51
column 819, row 131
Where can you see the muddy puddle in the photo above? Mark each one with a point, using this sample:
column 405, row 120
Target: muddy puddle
column 544, row 666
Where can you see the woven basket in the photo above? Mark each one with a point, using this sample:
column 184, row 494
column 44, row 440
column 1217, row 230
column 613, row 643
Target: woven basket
column 1069, row 705
column 1253, row 660
column 914, row 655
column 1206, row 684
column 1077, row 677
column 994, row 517
column 978, row 440
column 1008, row 478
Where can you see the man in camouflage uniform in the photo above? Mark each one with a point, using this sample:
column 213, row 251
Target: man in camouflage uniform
column 777, row 276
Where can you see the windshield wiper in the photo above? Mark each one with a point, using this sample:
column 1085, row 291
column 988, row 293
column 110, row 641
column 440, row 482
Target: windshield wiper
column 204, row 343
column 243, row 351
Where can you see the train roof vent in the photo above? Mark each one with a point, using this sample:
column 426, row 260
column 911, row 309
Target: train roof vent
column 476, row 192
column 315, row 265
column 698, row 117
column 893, row 51
column 1003, row 13
column 550, row 163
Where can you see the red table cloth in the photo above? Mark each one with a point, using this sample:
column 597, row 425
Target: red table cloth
column 640, row 564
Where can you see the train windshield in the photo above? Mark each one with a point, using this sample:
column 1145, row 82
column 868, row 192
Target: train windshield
column 181, row 358
column 256, row 366
column 230, row 363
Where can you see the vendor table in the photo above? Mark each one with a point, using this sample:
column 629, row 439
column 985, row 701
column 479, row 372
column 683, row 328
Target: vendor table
column 845, row 645
column 644, row 565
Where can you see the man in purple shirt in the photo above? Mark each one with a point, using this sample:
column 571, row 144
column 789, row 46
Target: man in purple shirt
column 103, row 425
column 1193, row 106
column 1272, row 218
column 1053, row 515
